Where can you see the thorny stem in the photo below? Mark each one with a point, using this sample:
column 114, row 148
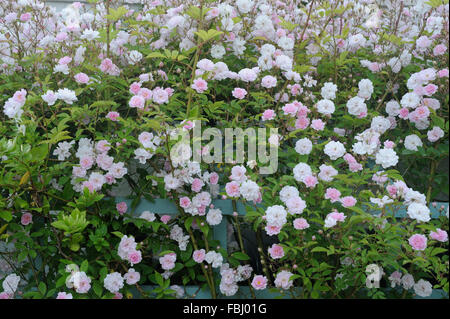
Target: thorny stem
column 209, row 280
column 194, row 64
column 261, row 253
column 107, row 28
column 398, row 73
column 430, row 180
column 241, row 243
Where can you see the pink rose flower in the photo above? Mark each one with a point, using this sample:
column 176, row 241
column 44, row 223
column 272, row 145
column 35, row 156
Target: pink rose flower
column 439, row 49
column 423, row 42
column 188, row 125
column 197, row 185
column 392, row 190
column 302, row 123
column 199, row 255
column 272, row 230
column 160, row 96
column 239, row 93
column 165, row 218
column 332, row 194
column 118, row 295
column 103, row 146
column 199, row 85
column 389, row 144
column 439, row 235
column 296, row 89
column 340, row 217
column 145, row 93
column 81, row 78
column 318, row 125
column 135, row 257
column 169, row 91
column 214, row 178
column 375, row 67
column 232, row 189
column 24, row 17
column 26, row 219
column 302, row 110
column 121, row 207
column 135, row 87
column 443, row 73
column 86, row 162
column 418, row 242
column 185, row 202
column 290, row 109
column 354, row 167
column 300, row 223
column 62, row 36
column 89, row 185
column 349, row 158
column 5, row 295
column 64, row 295
column 430, row 89
column 201, row 210
column 65, row 60
column 310, row 181
column 276, row 251
column 113, row 116
column 137, row 101
column 168, row 261
column 348, row 201
column 259, row 282
column 268, row 115
column 404, row 113
column 20, row 96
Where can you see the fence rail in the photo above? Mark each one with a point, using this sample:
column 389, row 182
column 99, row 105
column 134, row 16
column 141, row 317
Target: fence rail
column 167, row 207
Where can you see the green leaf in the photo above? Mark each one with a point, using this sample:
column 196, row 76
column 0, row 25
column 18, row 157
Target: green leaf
column 118, row 234
column 165, row 252
column 319, row 249
column 204, row 228
column 188, row 222
column 42, row 288
column 5, row 215
column 155, row 55
column 159, row 279
column 241, row 256
column 116, row 14
column 39, row 153
column 206, row 36
column 98, row 289
column 84, row 265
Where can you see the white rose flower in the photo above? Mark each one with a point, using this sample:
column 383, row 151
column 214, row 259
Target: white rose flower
column 214, row 217
column 301, row 170
column 325, row 106
column 113, row 282
column 328, row 91
column 412, row 142
column 386, row 157
column 423, row 288
column 134, row 57
column 288, row 192
column 217, row 51
column 334, row 150
column 419, row 212
column 303, row 146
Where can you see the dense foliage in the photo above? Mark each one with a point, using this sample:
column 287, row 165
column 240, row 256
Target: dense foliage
column 353, row 95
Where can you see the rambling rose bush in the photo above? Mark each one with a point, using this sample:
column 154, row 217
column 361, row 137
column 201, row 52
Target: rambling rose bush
column 94, row 97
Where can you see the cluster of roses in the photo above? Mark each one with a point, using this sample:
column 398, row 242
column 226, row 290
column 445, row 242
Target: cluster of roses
column 91, row 155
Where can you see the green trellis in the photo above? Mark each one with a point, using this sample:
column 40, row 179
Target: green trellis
column 167, row 207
